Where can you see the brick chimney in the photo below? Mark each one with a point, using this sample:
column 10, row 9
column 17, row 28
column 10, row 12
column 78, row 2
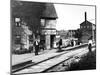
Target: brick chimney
column 85, row 16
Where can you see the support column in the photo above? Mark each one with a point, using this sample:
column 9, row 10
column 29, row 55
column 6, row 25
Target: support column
column 47, row 42
column 33, row 42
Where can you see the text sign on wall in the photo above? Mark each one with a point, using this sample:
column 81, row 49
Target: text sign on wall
column 48, row 31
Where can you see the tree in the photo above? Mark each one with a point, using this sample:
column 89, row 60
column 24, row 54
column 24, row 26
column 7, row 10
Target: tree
column 78, row 34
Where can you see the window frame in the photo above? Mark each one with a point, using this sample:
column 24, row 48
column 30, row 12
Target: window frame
column 18, row 39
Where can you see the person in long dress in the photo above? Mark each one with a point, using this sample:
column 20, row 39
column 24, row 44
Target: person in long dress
column 90, row 44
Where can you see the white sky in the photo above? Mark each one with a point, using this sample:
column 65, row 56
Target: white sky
column 70, row 16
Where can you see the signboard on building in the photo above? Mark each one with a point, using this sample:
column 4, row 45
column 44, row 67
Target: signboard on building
column 50, row 32
column 48, row 23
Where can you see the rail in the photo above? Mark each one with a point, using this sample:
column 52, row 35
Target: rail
column 33, row 64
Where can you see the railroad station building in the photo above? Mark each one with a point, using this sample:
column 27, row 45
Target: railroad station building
column 88, row 29
column 48, row 22
column 30, row 21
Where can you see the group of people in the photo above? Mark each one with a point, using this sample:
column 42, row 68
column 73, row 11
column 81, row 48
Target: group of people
column 37, row 45
column 73, row 43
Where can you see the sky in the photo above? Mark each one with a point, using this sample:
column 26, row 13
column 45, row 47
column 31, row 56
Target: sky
column 70, row 16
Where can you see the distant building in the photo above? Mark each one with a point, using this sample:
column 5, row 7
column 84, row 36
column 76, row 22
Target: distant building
column 88, row 30
column 63, row 34
column 71, row 33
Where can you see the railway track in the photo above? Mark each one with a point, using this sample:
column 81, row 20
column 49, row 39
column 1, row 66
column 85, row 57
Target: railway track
column 30, row 63
column 45, row 65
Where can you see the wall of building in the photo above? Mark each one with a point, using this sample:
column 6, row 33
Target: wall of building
column 31, row 14
column 49, row 30
column 30, row 18
column 20, row 35
column 87, row 31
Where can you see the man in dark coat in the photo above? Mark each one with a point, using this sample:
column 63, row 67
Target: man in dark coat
column 72, row 42
column 60, row 43
column 36, row 44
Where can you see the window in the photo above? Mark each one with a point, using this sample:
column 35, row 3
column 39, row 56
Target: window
column 81, row 27
column 17, row 39
column 42, row 22
column 17, row 22
column 87, row 26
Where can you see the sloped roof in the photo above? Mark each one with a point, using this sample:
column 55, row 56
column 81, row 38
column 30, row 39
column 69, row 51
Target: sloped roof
column 49, row 11
column 22, row 8
column 44, row 10
column 87, row 22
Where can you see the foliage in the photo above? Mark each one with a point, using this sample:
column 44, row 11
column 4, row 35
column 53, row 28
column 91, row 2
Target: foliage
column 78, row 34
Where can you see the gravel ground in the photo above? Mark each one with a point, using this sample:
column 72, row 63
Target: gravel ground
column 86, row 63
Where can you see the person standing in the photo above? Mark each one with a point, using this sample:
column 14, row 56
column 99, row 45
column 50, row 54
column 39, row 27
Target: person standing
column 36, row 44
column 72, row 42
column 90, row 44
column 60, row 43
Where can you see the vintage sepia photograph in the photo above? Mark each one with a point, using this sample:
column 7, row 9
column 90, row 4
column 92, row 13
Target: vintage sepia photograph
column 52, row 37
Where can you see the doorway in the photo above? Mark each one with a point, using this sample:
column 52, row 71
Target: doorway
column 52, row 40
